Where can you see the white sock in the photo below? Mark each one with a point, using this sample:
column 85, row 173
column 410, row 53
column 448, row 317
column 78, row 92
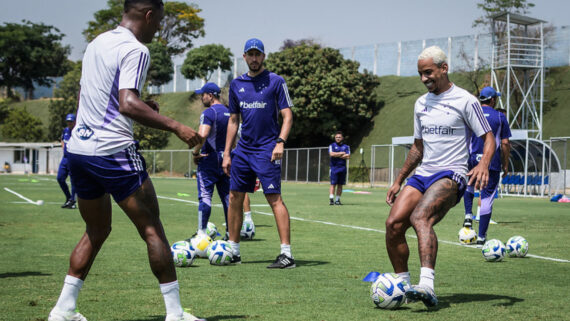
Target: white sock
column 427, row 276
column 405, row 276
column 247, row 216
column 235, row 247
column 171, row 293
column 331, row 196
column 202, row 231
column 478, row 212
column 286, row 249
column 67, row 301
column 468, row 216
column 338, row 198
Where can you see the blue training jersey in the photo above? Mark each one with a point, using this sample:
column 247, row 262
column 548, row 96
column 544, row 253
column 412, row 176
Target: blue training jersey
column 216, row 116
column 501, row 130
column 259, row 101
column 65, row 136
column 337, row 162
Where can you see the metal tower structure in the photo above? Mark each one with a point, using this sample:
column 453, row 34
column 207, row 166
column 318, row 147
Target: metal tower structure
column 517, row 70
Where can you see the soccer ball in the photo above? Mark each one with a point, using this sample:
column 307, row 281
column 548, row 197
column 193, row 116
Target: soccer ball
column 388, row 291
column 183, row 253
column 220, row 253
column 211, row 230
column 517, row 246
column 247, row 230
column 201, row 242
column 493, row 250
column 467, row 236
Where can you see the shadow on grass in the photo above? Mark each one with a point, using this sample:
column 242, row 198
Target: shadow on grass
column 298, row 263
column 461, row 298
column 210, row 318
column 22, row 274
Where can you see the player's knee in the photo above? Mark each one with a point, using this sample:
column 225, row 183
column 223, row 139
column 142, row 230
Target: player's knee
column 394, row 227
column 98, row 234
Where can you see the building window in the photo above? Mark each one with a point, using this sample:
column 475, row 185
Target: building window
column 22, row 156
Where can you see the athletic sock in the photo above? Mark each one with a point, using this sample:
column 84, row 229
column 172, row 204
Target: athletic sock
column 247, row 216
column 484, row 225
column 286, row 249
column 338, row 198
column 171, row 293
column 235, row 247
column 405, row 276
column 468, row 216
column 478, row 212
column 427, row 276
column 331, row 197
column 67, row 301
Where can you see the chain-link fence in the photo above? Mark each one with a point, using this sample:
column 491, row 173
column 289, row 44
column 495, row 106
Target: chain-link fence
column 559, row 182
column 306, row 165
column 386, row 162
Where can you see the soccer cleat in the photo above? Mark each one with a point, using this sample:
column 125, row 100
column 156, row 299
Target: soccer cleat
column 236, row 259
column 480, row 241
column 423, row 293
column 226, row 237
column 282, row 262
column 468, row 223
column 58, row 315
column 337, row 203
column 72, row 204
column 331, row 202
column 66, row 204
column 185, row 317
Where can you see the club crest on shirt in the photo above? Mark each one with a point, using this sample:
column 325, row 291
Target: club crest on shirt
column 84, row 132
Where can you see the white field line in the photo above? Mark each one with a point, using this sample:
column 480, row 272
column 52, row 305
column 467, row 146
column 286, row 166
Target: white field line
column 368, row 229
column 21, row 196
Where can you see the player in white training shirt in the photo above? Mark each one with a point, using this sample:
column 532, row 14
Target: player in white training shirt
column 104, row 160
column 444, row 119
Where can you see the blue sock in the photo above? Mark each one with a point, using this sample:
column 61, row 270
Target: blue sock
column 484, row 224
column 204, row 211
column 468, row 202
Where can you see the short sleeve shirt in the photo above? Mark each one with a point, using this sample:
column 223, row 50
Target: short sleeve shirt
column 501, row 130
column 338, row 163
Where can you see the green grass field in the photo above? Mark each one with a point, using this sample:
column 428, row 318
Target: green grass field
column 334, row 246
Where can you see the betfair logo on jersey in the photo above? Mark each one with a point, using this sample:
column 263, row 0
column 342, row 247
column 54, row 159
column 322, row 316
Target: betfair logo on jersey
column 438, row 130
column 84, row 132
column 252, row 105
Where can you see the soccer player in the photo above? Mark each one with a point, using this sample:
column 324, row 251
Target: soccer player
column 443, row 121
column 208, row 156
column 500, row 160
column 104, row 160
column 63, row 170
column 339, row 153
column 258, row 96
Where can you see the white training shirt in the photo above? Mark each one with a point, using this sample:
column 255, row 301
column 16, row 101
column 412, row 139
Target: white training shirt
column 115, row 60
column 445, row 123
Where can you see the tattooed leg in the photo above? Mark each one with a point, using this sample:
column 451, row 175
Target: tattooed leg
column 397, row 224
column 436, row 202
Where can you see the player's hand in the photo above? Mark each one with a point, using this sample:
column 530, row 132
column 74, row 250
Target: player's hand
column 277, row 152
column 505, row 171
column 392, row 192
column 153, row 104
column 227, row 164
column 189, row 136
column 479, row 177
column 198, row 157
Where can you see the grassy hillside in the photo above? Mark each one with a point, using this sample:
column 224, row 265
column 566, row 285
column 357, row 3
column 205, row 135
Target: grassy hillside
column 37, row 107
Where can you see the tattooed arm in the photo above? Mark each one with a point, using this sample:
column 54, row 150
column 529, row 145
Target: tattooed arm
column 412, row 160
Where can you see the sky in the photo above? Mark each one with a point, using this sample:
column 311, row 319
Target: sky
column 332, row 23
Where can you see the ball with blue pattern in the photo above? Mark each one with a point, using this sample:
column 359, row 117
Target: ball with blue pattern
column 220, row 253
column 517, row 246
column 493, row 250
column 388, row 291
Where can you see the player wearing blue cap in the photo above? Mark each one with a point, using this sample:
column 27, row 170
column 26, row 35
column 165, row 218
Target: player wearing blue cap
column 444, row 119
column 258, row 97
column 104, row 158
column 339, row 153
column 63, row 170
column 502, row 132
column 208, row 156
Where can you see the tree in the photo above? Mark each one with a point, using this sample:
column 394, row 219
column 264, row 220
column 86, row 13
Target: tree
column 329, row 93
column 21, row 125
column 492, row 7
column 202, row 62
column 64, row 102
column 290, row 43
column 30, row 54
column 180, row 25
column 160, row 69
column 150, row 138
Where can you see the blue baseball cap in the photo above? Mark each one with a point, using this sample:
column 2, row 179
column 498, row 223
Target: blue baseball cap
column 488, row 93
column 70, row 117
column 209, row 88
column 254, row 43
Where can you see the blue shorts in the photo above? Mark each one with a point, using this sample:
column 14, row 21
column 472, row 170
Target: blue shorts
column 338, row 176
column 120, row 174
column 247, row 166
column 422, row 183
